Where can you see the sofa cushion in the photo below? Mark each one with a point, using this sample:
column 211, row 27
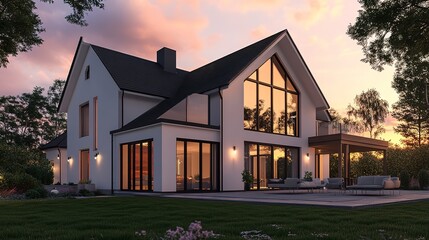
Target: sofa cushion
column 379, row 180
column 365, row 180
column 276, row 180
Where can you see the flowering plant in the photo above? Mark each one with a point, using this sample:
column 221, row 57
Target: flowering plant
column 195, row 232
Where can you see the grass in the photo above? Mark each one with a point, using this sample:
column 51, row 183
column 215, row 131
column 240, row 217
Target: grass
column 121, row 217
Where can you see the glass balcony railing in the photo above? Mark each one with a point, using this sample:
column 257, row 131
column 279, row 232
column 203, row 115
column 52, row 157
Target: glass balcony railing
column 328, row 128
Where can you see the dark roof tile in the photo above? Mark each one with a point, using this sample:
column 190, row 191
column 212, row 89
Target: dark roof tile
column 139, row 75
column 58, row 142
column 214, row 75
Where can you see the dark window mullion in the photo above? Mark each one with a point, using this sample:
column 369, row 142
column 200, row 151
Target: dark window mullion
column 286, row 113
column 200, row 183
column 129, row 167
column 272, row 98
column 149, row 184
column 258, row 164
column 141, row 166
column 257, row 101
column 185, row 165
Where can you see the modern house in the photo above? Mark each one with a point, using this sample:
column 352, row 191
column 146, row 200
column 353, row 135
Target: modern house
column 138, row 125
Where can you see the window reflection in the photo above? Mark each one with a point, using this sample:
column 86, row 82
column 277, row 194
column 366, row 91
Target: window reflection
column 266, row 161
column 271, row 100
column 250, row 105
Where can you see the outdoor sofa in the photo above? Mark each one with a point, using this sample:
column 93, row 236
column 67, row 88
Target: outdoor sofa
column 294, row 184
column 375, row 183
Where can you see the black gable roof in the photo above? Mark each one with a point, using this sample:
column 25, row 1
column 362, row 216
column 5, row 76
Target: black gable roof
column 222, row 71
column 214, row 75
column 58, row 142
column 139, row 75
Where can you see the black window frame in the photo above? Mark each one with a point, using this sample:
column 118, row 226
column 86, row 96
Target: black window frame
column 287, row 77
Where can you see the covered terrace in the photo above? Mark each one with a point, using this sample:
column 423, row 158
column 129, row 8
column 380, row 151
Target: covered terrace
column 344, row 145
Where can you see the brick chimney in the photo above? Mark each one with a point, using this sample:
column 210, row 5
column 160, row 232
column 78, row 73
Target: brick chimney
column 166, row 57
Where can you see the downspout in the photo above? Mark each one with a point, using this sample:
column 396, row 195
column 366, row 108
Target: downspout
column 221, row 142
column 111, row 161
column 59, row 158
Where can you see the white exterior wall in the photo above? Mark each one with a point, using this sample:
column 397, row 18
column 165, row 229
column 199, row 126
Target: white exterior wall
column 235, row 135
column 324, row 166
column 136, row 104
column 100, row 85
column 164, row 136
column 52, row 156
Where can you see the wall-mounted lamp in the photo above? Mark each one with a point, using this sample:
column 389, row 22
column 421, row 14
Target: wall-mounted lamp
column 234, row 148
column 308, row 155
column 58, row 156
column 95, row 156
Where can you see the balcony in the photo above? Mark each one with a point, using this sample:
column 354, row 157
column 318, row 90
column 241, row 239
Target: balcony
column 330, row 128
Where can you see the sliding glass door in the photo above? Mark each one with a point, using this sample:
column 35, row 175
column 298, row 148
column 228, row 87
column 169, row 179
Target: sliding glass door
column 267, row 161
column 196, row 166
column 137, row 166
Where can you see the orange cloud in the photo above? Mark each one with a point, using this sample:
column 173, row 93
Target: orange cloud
column 259, row 32
column 245, row 6
column 317, row 10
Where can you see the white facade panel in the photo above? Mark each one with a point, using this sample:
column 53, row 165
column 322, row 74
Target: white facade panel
column 101, row 85
column 234, row 133
column 135, row 105
column 164, row 138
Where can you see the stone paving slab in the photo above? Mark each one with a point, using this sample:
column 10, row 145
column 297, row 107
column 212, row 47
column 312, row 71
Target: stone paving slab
column 323, row 198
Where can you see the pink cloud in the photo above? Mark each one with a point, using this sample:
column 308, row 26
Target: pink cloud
column 246, row 6
column 259, row 32
column 138, row 27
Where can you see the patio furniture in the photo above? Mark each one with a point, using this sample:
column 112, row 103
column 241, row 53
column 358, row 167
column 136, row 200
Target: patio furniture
column 335, row 183
column 291, row 184
column 372, row 183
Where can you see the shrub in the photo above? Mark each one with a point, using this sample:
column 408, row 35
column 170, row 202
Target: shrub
column 423, row 177
column 41, row 169
column 405, row 179
column 37, row 192
column 21, row 182
column 32, row 194
column 85, row 193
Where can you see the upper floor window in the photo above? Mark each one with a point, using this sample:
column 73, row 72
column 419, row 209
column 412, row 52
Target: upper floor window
column 271, row 100
column 87, row 72
column 84, row 120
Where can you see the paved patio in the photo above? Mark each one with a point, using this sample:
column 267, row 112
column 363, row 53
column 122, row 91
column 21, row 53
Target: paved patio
column 303, row 197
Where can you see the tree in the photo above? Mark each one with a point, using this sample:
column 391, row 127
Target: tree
column 371, row 111
column 392, row 31
column 30, row 119
column 20, row 26
column 411, row 108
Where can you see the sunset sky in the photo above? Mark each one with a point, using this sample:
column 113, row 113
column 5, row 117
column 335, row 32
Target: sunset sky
column 203, row 31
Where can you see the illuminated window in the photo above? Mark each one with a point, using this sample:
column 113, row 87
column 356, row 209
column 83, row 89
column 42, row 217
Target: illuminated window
column 137, row 166
column 84, row 165
column 95, row 101
column 267, row 161
column 84, row 120
column 271, row 100
column 196, row 166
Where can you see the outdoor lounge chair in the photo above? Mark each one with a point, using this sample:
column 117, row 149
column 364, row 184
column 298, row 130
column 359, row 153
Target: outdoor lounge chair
column 335, row 183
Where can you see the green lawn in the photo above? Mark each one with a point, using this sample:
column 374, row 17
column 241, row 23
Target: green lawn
column 121, row 217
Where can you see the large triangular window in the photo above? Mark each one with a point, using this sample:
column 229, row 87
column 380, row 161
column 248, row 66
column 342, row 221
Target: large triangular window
column 271, row 100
